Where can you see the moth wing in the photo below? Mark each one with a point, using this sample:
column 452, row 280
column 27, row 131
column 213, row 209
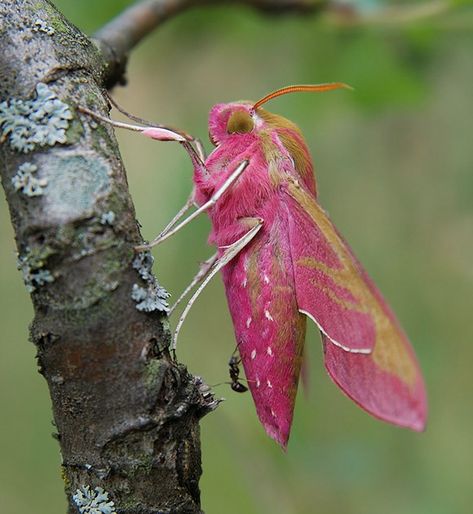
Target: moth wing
column 330, row 287
column 387, row 383
column 268, row 326
column 335, row 291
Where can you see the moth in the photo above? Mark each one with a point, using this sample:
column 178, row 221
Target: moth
column 283, row 261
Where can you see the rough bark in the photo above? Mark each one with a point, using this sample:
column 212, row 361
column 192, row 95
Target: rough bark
column 127, row 416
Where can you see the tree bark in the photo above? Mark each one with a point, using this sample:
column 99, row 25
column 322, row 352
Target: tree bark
column 127, row 416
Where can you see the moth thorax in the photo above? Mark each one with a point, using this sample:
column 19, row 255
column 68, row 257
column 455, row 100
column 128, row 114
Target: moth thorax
column 239, row 122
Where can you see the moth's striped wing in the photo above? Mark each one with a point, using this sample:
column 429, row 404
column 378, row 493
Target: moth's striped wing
column 268, row 327
column 386, row 383
column 329, row 286
column 334, row 290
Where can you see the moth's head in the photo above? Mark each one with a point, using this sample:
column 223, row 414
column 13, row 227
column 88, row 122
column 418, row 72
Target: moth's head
column 239, row 118
column 230, row 119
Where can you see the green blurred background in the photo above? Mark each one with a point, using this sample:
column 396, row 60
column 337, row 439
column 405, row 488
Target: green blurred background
column 394, row 163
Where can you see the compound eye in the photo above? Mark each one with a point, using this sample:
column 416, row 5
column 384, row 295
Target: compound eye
column 239, row 122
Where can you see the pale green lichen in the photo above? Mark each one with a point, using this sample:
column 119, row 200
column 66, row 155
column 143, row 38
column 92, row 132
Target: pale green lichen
column 26, row 182
column 151, row 298
column 41, row 26
column 143, row 263
column 33, row 277
column 75, row 184
column 40, row 121
column 86, row 243
column 93, row 501
column 37, row 256
column 107, row 218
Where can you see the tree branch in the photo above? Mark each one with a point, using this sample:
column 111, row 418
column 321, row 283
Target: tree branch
column 127, row 415
column 124, row 32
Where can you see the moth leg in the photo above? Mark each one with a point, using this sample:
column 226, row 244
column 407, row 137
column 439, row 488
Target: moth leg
column 189, row 203
column 126, row 113
column 158, row 132
column 199, row 147
column 204, row 269
column 227, row 256
column 196, row 154
column 118, row 124
column 212, row 201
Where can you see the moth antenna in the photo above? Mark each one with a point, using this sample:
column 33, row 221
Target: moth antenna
column 308, row 88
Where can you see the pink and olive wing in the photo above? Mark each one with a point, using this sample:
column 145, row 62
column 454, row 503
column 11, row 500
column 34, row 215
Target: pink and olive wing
column 335, row 291
column 387, row 383
column 268, row 327
column 330, row 288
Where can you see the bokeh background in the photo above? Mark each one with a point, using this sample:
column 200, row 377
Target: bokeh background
column 394, row 161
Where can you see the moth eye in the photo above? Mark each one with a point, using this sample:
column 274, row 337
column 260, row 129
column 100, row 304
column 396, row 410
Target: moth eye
column 240, row 122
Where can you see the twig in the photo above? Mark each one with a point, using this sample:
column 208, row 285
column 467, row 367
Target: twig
column 125, row 31
column 126, row 415
column 389, row 15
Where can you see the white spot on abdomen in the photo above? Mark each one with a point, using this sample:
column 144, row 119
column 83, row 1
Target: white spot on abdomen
column 266, row 279
column 253, row 354
column 248, row 322
column 269, row 351
column 244, row 282
column 269, row 384
column 267, row 315
column 258, row 383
